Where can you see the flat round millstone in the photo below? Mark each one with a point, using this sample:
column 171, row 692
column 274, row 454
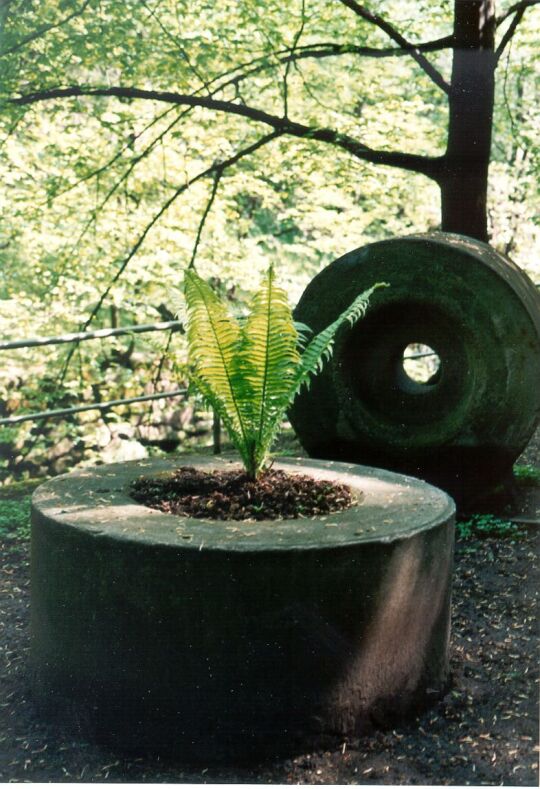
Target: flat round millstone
column 463, row 428
column 389, row 507
column 222, row 640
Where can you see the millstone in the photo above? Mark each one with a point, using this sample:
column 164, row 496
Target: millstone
column 222, row 640
column 478, row 313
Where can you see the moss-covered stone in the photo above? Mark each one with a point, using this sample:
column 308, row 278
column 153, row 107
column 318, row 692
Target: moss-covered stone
column 477, row 310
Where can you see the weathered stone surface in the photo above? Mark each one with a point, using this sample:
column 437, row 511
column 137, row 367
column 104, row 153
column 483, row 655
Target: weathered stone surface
column 222, row 640
column 478, row 311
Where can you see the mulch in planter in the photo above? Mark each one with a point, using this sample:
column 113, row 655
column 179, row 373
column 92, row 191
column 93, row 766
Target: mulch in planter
column 232, row 495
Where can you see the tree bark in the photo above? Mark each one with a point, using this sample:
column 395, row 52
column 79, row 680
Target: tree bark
column 464, row 173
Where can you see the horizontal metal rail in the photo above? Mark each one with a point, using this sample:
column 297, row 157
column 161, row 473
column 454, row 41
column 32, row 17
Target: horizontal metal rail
column 13, row 420
column 420, row 355
column 90, row 335
column 103, row 334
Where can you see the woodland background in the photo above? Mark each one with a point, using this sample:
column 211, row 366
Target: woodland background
column 106, row 198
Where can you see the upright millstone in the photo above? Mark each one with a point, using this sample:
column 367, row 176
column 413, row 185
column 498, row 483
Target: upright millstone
column 475, row 313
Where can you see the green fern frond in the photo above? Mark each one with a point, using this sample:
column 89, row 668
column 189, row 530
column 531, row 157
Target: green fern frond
column 178, row 305
column 303, row 331
column 220, row 408
column 268, row 361
column 213, row 338
column 321, row 347
column 249, row 371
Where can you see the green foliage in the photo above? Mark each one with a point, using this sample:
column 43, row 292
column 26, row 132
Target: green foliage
column 15, row 509
column 15, row 518
column 83, row 178
column 487, row 525
column 250, row 371
column 527, row 475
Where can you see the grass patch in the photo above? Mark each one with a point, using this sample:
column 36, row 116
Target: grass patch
column 15, row 518
column 15, row 509
column 527, row 476
column 17, row 490
column 481, row 526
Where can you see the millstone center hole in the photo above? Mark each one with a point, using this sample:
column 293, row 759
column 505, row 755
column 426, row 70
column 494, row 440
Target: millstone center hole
column 421, row 364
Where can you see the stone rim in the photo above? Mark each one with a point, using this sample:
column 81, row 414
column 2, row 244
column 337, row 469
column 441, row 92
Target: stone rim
column 96, row 501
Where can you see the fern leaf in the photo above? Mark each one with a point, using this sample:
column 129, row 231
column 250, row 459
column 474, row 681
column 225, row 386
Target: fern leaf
column 178, row 305
column 321, row 346
column 303, row 332
column 268, row 362
column 221, row 409
column 213, row 338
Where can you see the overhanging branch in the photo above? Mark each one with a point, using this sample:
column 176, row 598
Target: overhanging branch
column 328, row 49
column 169, row 97
column 516, row 11
column 402, row 42
column 324, row 50
column 243, row 71
column 523, row 5
column 425, row 165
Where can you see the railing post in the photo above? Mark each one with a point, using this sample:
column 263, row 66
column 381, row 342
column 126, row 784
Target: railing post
column 216, row 434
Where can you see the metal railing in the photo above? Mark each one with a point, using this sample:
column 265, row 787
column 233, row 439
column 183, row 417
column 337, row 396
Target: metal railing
column 15, row 420
column 82, row 337
column 90, row 335
column 104, row 406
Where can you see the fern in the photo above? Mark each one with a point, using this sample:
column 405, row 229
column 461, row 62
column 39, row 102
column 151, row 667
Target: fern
column 269, row 360
column 213, row 339
column 250, row 372
column 320, row 348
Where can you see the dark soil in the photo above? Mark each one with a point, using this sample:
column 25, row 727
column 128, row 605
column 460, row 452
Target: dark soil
column 484, row 732
column 232, row 495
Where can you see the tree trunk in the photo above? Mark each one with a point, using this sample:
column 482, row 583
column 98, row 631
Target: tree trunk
column 464, row 173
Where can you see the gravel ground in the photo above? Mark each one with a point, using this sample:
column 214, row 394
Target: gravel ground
column 484, row 732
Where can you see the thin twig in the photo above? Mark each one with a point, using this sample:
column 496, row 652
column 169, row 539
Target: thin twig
column 116, row 156
column 157, row 377
column 12, row 129
column 217, row 177
column 157, row 216
column 178, row 45
column 134, row 162
column 395, row 35
column 218, row 174
column 45, row 29
column 509, row 33
column 289, row 61
column 505, row 93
